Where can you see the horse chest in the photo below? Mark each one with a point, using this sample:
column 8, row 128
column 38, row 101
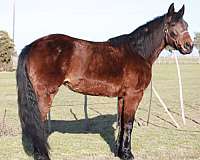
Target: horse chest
column 143, row 81
column 138, row 79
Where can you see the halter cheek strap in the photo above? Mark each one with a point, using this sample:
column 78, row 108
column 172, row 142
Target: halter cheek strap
column 165, row 28
column 166, row 31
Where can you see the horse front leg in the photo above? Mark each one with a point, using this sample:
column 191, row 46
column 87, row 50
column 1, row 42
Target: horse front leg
column 129, row 107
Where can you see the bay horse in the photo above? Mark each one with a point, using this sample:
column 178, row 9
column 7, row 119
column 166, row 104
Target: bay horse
column 120, row 67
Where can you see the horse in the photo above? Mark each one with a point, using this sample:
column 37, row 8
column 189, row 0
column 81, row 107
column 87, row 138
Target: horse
column 119, row 67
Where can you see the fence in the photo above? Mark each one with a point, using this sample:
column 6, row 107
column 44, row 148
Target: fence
column 181, row 59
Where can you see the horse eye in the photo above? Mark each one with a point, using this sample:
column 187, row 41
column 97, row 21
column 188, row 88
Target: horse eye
column 173, row 34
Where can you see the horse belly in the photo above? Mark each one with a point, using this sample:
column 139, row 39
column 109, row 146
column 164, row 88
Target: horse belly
column 94, row 87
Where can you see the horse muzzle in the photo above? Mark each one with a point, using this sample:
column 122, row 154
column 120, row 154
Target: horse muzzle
column 186, row 48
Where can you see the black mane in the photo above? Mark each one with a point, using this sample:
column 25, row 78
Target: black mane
column 140, row 40
column 115, row 41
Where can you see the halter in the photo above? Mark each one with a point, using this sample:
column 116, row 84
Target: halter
column 167, row 35
column 182, row 33
column 166, row 31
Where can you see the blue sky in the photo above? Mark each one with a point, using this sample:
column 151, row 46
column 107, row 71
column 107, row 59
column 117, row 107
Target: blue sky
column 95, row 20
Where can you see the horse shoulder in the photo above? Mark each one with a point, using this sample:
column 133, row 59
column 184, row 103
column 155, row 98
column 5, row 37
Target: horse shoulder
column 137, row 74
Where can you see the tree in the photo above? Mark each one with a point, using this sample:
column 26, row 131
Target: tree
column 197, row 42
column 6, row 52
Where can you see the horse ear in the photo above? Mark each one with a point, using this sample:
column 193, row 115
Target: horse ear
column 170, row 10
column 180, row 13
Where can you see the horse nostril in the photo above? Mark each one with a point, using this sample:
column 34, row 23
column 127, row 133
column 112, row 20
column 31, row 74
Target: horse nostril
column 187, row 45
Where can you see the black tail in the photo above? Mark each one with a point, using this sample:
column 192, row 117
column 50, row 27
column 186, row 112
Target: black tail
column 34, row 138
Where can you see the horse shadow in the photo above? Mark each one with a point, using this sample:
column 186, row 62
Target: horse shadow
column 102, row 125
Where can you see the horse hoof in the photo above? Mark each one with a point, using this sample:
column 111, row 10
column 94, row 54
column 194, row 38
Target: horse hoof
column 38, row 156
column 125, row 155
column 127, row 158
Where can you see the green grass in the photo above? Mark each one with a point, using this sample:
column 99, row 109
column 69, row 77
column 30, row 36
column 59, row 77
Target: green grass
column 160, row 140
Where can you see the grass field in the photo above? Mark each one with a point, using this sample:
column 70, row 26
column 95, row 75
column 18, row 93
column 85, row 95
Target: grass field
column 160, row 140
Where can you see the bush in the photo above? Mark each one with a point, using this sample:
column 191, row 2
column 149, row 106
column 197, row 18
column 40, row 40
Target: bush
column 6, row 52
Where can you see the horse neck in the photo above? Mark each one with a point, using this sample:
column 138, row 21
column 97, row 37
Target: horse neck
column 150, row 44
column 155, row 51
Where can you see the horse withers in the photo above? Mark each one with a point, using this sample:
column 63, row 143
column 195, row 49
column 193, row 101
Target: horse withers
column 120, row 67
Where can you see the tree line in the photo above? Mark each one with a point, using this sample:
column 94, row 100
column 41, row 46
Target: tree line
column 197, row 42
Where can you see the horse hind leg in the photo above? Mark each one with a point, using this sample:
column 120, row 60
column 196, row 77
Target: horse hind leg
column 34, row 101
column 45, row 98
